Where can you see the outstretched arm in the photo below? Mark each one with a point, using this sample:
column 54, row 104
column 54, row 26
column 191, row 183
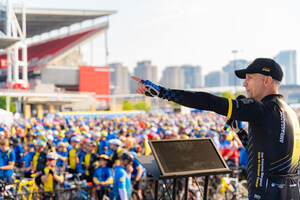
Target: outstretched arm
column 250, row 110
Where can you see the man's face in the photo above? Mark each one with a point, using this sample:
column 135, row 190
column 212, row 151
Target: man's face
column 254, row 84
column 52, row 162
column 103, row 162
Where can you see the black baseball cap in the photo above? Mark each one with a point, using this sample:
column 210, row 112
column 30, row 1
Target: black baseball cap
column 264, row 66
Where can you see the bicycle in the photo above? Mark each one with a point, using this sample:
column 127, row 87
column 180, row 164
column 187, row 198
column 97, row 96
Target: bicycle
column 232, row 188
column 26, row 188
column 147, row 190
column 77, row 188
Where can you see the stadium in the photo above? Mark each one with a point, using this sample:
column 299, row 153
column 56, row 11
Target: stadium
column 70, row 138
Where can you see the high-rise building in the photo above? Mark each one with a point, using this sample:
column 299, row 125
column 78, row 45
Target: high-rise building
column 213, row 79
column 230, row 79
column 192, row 76
column 119, row 79
column 144, row 70
column 173, row 77
column 288, row 62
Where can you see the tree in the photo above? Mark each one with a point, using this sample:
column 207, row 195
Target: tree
column 142, row 106
column 3, row 104
column 228, row 94
column 127, row 105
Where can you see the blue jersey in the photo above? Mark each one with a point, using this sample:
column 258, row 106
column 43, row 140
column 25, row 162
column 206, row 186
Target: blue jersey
column 60, row 163
column 136, row 164
column 18, row 150
column 103, row 173
column 7, row 158
column 28, row 158
column 103, row 146
column 111, row 136
column 81, row 161
column 121, row 181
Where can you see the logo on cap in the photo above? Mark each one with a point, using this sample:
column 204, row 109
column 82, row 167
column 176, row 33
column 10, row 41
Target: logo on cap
column 266, row 69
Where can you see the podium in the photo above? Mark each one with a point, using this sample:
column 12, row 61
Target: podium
column 173, row 159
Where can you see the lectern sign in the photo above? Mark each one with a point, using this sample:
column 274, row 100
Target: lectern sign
column 192, row 156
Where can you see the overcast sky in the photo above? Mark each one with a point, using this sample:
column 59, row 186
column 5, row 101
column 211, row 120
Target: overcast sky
column 197, row 32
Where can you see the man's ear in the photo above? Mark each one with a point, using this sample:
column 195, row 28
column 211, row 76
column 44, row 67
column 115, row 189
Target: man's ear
column 268, row 80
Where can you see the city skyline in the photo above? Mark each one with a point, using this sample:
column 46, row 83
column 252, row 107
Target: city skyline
column 228, row 68
column 191, row 76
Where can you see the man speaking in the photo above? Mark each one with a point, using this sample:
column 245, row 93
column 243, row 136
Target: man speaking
column 273, row 142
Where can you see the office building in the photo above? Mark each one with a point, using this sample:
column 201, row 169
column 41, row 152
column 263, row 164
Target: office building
column 288, row 62
column 173, row 77
column 192, row 76
column 213, row 79
column 230, row 79
column 144, row 70
column 119, row 79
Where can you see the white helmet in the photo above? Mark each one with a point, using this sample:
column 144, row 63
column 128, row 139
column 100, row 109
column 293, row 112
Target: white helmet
column 41, row 142
column 116, row 142
column 50, row 137
column 52, row 155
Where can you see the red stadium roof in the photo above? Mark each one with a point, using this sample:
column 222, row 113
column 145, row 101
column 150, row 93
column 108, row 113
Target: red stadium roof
column 40, row 54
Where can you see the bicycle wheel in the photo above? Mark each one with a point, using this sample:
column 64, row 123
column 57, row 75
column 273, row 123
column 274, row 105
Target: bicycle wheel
column 134, row 196
column 148, row 194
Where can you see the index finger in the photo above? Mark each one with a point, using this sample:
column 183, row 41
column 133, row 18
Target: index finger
column 136, row 78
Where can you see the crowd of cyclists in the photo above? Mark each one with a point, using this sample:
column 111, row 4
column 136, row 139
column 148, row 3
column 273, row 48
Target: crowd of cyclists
column 102, row 150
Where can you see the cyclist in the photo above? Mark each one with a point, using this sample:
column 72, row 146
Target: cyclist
column 39, row 160
column 28, row 158
column 72, row 155
column 90, row 159
column 50, row 144
column 122, row 184
column 116, row 146
column 19, row 152
column 229, row 151
column 60, row 138
column 82, row 152
column 62, row 155
column 50, row 178
column 7, row 162
column 111, row 134
column 137, row 175
column 103, row 143
column 103, row 176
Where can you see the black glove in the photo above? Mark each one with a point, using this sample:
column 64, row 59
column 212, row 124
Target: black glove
column 51, row 171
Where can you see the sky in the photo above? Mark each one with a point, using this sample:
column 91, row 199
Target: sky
column 196, row 32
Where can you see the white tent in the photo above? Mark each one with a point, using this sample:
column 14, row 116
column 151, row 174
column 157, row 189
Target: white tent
column 6, row 117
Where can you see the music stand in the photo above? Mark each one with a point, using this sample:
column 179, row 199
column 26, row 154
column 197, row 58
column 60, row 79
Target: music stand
column 183, row 158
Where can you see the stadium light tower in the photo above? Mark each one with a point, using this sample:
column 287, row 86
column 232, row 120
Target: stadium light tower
column 13, row 40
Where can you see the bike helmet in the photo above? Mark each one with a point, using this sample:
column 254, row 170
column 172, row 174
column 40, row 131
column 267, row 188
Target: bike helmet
column 75, row 139
column 41, row 143
column 116, row 142
column 50, row 137
column 127, row 156
column 104, row 133
column 52, row 155
column 61, row 144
